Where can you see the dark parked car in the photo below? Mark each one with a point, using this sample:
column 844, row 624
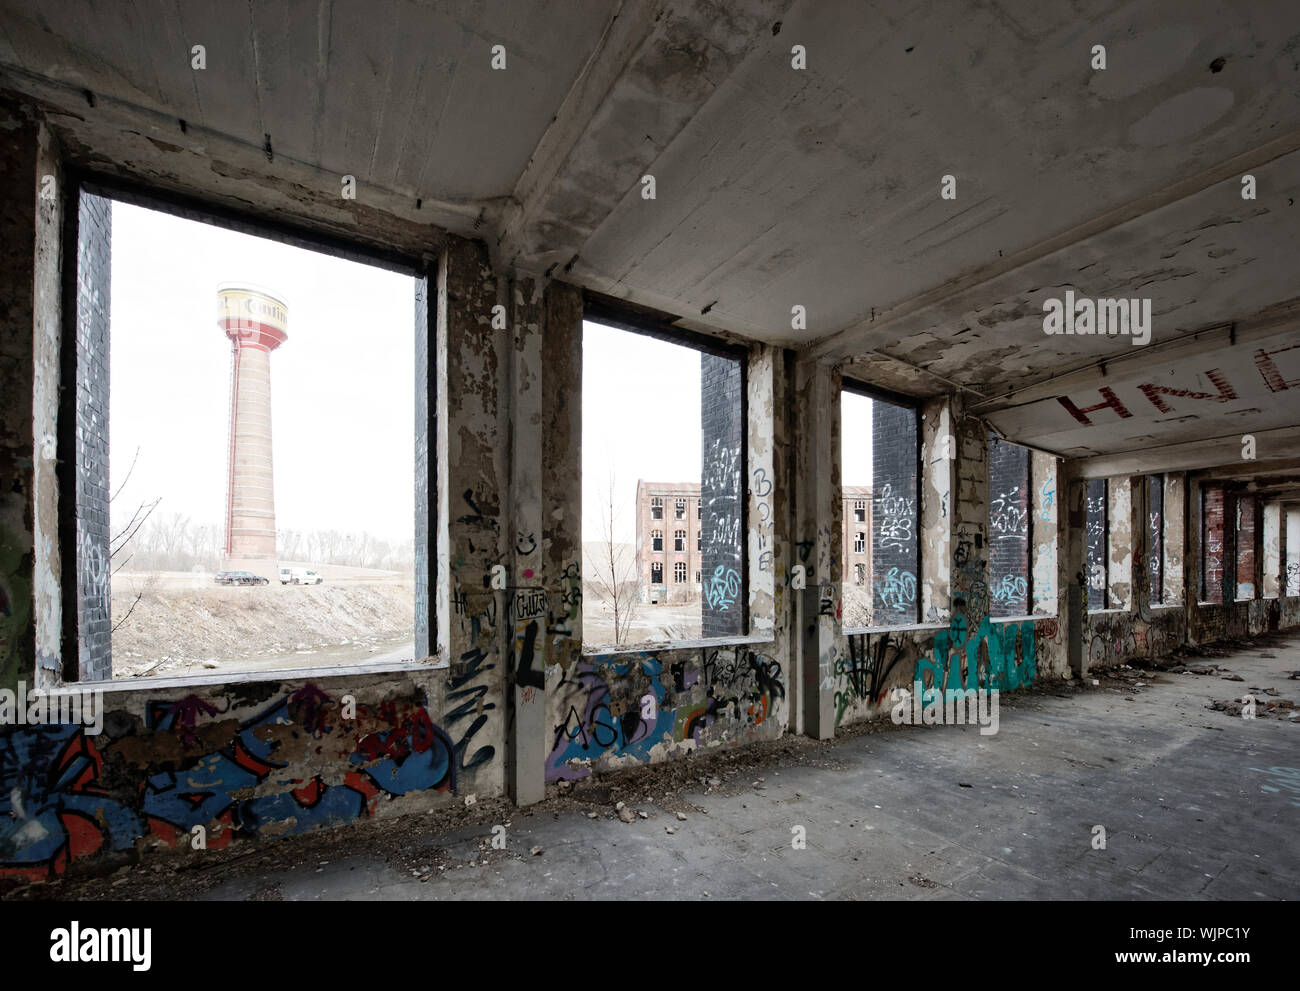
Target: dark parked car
column 239, row 578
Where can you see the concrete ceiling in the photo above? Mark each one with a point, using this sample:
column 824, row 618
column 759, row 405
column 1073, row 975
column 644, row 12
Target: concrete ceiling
column 775, row 187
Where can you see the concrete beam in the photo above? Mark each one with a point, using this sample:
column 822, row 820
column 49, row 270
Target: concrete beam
column 1191, row 456
column 887, row 327
column 1137, row 363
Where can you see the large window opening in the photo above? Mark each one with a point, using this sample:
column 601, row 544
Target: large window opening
column 1097, row 527
column 1292, row 572
column 1212, row 543
column 1156, row 537
column 1009, row 528
column 880, row 462
column 689, row 461
column 245, row 494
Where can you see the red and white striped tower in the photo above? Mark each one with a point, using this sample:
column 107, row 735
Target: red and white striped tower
column 255, row 322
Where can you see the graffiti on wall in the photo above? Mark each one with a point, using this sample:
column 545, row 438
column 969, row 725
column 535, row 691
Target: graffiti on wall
column 1001, row 656
column 863, row 676
column 59, row 801
column 636, row 710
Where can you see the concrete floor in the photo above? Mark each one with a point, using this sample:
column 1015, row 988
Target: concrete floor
column 920, row 813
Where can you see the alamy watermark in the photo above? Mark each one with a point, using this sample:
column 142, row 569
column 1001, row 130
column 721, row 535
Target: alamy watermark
column 1098, row 316
column 35, row 708
column 931, row 706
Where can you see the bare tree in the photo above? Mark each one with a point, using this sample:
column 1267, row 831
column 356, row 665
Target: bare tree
column 615, row 588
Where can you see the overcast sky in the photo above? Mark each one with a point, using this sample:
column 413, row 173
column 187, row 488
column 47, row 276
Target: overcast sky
column 641, row 418
column 342, row 386
column 855, row 439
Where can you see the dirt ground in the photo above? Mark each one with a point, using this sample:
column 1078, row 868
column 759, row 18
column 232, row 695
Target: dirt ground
column 185, row 624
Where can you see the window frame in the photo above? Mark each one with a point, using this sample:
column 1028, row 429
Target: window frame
column 295, row 232
column 896, row 399
column 621, row 314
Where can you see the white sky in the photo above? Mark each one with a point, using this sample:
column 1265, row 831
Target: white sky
column 342, row 386
column 640, row 419
column 855, row 439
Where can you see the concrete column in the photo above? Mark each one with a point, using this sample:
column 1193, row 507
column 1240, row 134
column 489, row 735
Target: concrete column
column 970, row 529
column 1272, row 556
column 938, row 464
column 1044, row 531
column 761, row 492
column 32, row 624
column 473, row 454
column 526, row 604
column 818, row 509
column 1177, row 560
column 1119, row 547
column 545, row 602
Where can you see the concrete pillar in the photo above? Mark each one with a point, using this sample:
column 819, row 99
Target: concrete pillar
column 31, row 626
column 1271, row 566
column 545, row 601
column 818, row 511
column 1177, row 560
column 1119, row 548
column 1044, row 532
column 938, row 465
column 970, row 529
column 472, row 452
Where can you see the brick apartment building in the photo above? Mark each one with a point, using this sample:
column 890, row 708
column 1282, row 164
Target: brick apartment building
column 669, row 541
column 857, row 535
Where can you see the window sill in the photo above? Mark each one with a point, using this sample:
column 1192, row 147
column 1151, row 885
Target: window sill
column 858, row 630
column 320, row 674
column 665, row 645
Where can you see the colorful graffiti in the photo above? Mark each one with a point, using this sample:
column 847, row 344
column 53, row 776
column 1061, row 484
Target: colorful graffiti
column 58, row 802
column 994, row 655
column 626, row 710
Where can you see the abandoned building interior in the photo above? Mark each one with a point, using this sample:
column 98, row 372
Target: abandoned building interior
column 819, row 198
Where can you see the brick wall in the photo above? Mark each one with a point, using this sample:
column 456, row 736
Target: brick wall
column 894, row 503
column 1212, row 544
column 722, row 612
column 1098, row 572
column 94, row 622
column 1008, row 529
column 1247, row 517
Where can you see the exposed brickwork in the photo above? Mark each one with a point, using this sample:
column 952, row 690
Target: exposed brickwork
column 721, row 491
column 94, row 622
column 1009, row 529
column 894, row 546
column 1247, row 517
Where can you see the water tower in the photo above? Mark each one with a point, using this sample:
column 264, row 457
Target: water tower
column 255, row 322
